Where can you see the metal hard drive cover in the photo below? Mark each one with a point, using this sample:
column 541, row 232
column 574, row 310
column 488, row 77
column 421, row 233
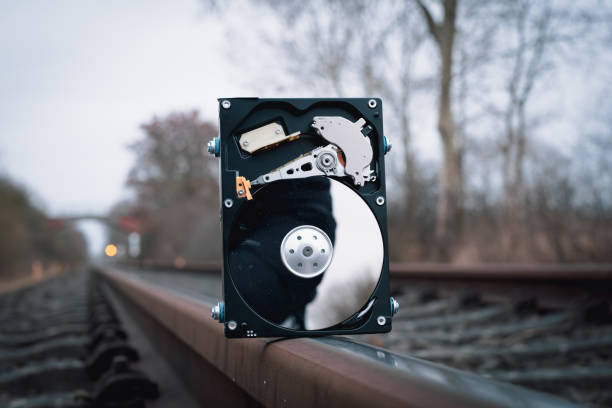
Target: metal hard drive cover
column 266, row 204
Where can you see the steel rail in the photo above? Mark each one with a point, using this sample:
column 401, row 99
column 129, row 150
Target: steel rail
column 499, row 272
column 330, row 372
column 416, row 270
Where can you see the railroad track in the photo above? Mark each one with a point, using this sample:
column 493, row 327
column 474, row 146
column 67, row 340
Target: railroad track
column 524, row 325
column 529, row 326
column 62, row 344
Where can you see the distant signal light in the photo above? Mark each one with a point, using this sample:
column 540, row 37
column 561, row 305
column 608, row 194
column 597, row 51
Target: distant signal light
column 110, row 250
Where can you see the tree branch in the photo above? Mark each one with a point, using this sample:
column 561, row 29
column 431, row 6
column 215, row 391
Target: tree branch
column 434, row 28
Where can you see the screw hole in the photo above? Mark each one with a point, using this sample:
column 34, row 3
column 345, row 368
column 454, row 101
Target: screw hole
column 291, row 251
column 299, row 237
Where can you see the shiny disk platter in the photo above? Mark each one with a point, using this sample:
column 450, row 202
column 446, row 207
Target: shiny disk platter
column 303, row 217
column 306, row 254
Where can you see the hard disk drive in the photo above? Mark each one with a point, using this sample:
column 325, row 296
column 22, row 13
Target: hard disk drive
column 303, row 215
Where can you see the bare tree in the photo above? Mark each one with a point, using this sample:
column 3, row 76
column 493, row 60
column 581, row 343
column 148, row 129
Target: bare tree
column 536, row 36
column 528, row 62
column 177, row 188
column 448, row 221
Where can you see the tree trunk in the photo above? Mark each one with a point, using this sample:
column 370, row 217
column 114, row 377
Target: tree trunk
column 448, row 212
column 411, row 181
column 448, row 220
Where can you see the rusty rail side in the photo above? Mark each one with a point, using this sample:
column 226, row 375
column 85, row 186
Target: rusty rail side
column 331, row 372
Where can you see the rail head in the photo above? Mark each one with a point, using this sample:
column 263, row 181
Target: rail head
column 431, row 270
column 503, row 272
column 332, row 371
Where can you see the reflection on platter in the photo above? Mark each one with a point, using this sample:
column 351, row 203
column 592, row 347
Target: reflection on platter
column 306, row 254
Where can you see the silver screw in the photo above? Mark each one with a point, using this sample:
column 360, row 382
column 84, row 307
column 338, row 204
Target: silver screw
column 218, row 312
column 228, row 202
column 213, row 146
column 388, row 145
column 394, row 306
column 372, row 103
column 232, row 325
column 381, row 320
column 245, row 143
column 240, row 192
column 277, row 131
column 226, row 104
column 380, row 200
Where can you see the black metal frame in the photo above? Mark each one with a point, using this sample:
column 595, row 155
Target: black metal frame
column 244, row 114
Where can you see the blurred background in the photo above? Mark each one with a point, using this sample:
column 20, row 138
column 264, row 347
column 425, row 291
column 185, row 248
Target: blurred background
column 499, row 112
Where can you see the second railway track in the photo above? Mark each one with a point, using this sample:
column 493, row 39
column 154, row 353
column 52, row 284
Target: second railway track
column 529, row 326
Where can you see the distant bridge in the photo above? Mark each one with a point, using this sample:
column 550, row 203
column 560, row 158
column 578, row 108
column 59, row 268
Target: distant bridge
column 123, row 223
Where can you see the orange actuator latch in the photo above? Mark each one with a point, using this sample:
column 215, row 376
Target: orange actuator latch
column 243, row 188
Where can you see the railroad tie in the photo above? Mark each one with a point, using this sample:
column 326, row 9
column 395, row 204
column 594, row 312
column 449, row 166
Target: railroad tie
column 62, row 344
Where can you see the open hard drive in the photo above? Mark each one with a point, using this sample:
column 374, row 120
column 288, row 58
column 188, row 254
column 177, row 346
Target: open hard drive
column 303, row 216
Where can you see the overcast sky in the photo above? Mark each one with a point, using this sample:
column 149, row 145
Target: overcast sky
column 79, row 77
